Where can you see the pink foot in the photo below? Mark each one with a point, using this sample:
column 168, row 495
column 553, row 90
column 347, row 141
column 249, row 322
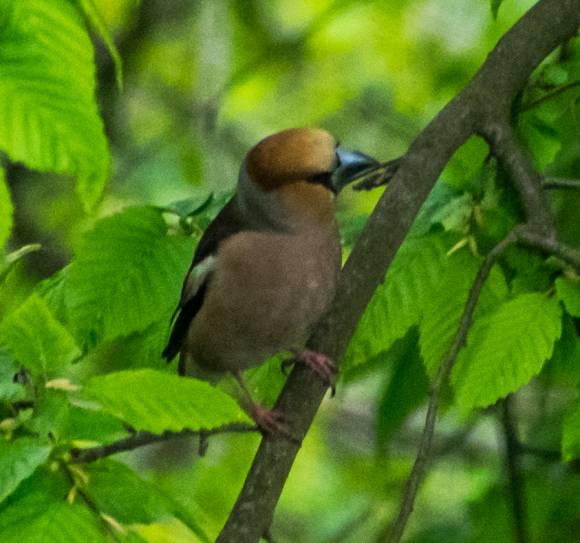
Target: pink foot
column 319, row 363
column 269, row 421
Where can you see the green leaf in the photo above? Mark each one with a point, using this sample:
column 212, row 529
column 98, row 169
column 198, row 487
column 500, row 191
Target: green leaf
column 455, row 215
column 119, row 492
column 36, row 339
column 9, row 390
column 447, row 302
column 91, row 425
column 96, row 20
column 571, row 434
column 18, row 460
column 154, row 401
column 569, row 293
column 406, row 388
column 40, row 514
column 505, row 349
column 127, row 274
column 398, row 303
column 495, row 5
column 51, row 412
column 5, row 210
column 14, row 257
column 564, row 366
column 49, row 116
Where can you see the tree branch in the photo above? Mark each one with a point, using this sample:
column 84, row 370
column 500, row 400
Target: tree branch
column 140, row 439
column 553, row 183
column 424, row 453
column 488, row 96
column 516, row 483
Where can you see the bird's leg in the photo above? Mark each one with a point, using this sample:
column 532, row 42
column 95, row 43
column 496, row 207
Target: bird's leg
column 269, row 421
column 319, row 363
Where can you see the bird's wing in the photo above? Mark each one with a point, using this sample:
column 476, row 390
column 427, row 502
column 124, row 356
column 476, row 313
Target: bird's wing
column 226, row 224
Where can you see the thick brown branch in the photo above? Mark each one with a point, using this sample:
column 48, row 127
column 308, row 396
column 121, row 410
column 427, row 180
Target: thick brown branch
column 488, row 96
column 140, row 439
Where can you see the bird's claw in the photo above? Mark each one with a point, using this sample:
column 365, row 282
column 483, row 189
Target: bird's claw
column 321, row 365
column 270, row 422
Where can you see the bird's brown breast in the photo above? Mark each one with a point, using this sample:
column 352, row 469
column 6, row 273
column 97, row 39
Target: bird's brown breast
column 265, row 294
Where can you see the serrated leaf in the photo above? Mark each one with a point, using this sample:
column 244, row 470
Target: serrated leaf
column 569, row 293
column 571, row 434
column 505, row 349
column 399, row 301
column 49, row 116
column 442, row 313
column 96, row 20
column 119, row 492
column 406, row 389
column 36, row 339
column 5, row 210
column 18, row 461
column 127, row 274
column 154, row 401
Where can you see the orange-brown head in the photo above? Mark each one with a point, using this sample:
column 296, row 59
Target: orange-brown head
column 290, row 177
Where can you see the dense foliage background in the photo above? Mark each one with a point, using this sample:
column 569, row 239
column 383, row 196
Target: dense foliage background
column 122, row 128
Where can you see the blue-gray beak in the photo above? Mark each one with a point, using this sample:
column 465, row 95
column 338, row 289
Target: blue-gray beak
column 351, row 164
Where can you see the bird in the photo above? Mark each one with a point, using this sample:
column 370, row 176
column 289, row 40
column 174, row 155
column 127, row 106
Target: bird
column 266, row 269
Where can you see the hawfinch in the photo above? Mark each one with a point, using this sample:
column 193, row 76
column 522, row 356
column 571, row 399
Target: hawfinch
column 266, row 268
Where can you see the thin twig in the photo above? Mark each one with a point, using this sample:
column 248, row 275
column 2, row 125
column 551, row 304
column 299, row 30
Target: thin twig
column 526, row 180
column 140, row 439
column 424, row 453
column 549, row 96
column 516, row 482
column 549, row 244
column 77, row 487
column 554, row 183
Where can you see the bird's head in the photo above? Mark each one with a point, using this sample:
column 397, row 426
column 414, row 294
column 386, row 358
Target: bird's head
column 293, row 175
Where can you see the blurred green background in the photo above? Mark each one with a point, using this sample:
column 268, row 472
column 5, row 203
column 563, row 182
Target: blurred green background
column 203, row 82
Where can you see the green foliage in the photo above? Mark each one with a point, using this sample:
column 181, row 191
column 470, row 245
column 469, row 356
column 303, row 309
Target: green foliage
column 5, row 210
column 119, row 492
column 495, row 5
column 399, row 301
column 571, row 433
column 447, row 302
column 155, row 401
column 406, row 388
column 126, row 275
column 39, row 513
column 569, row 293
column 49, row 115
column 505, row 349
column 18, row 460
column 106, row 310
column 95, row 18
column 9, row 390
column 37, row 340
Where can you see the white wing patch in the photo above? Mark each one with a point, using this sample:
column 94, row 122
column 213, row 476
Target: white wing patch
column 197, row 276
